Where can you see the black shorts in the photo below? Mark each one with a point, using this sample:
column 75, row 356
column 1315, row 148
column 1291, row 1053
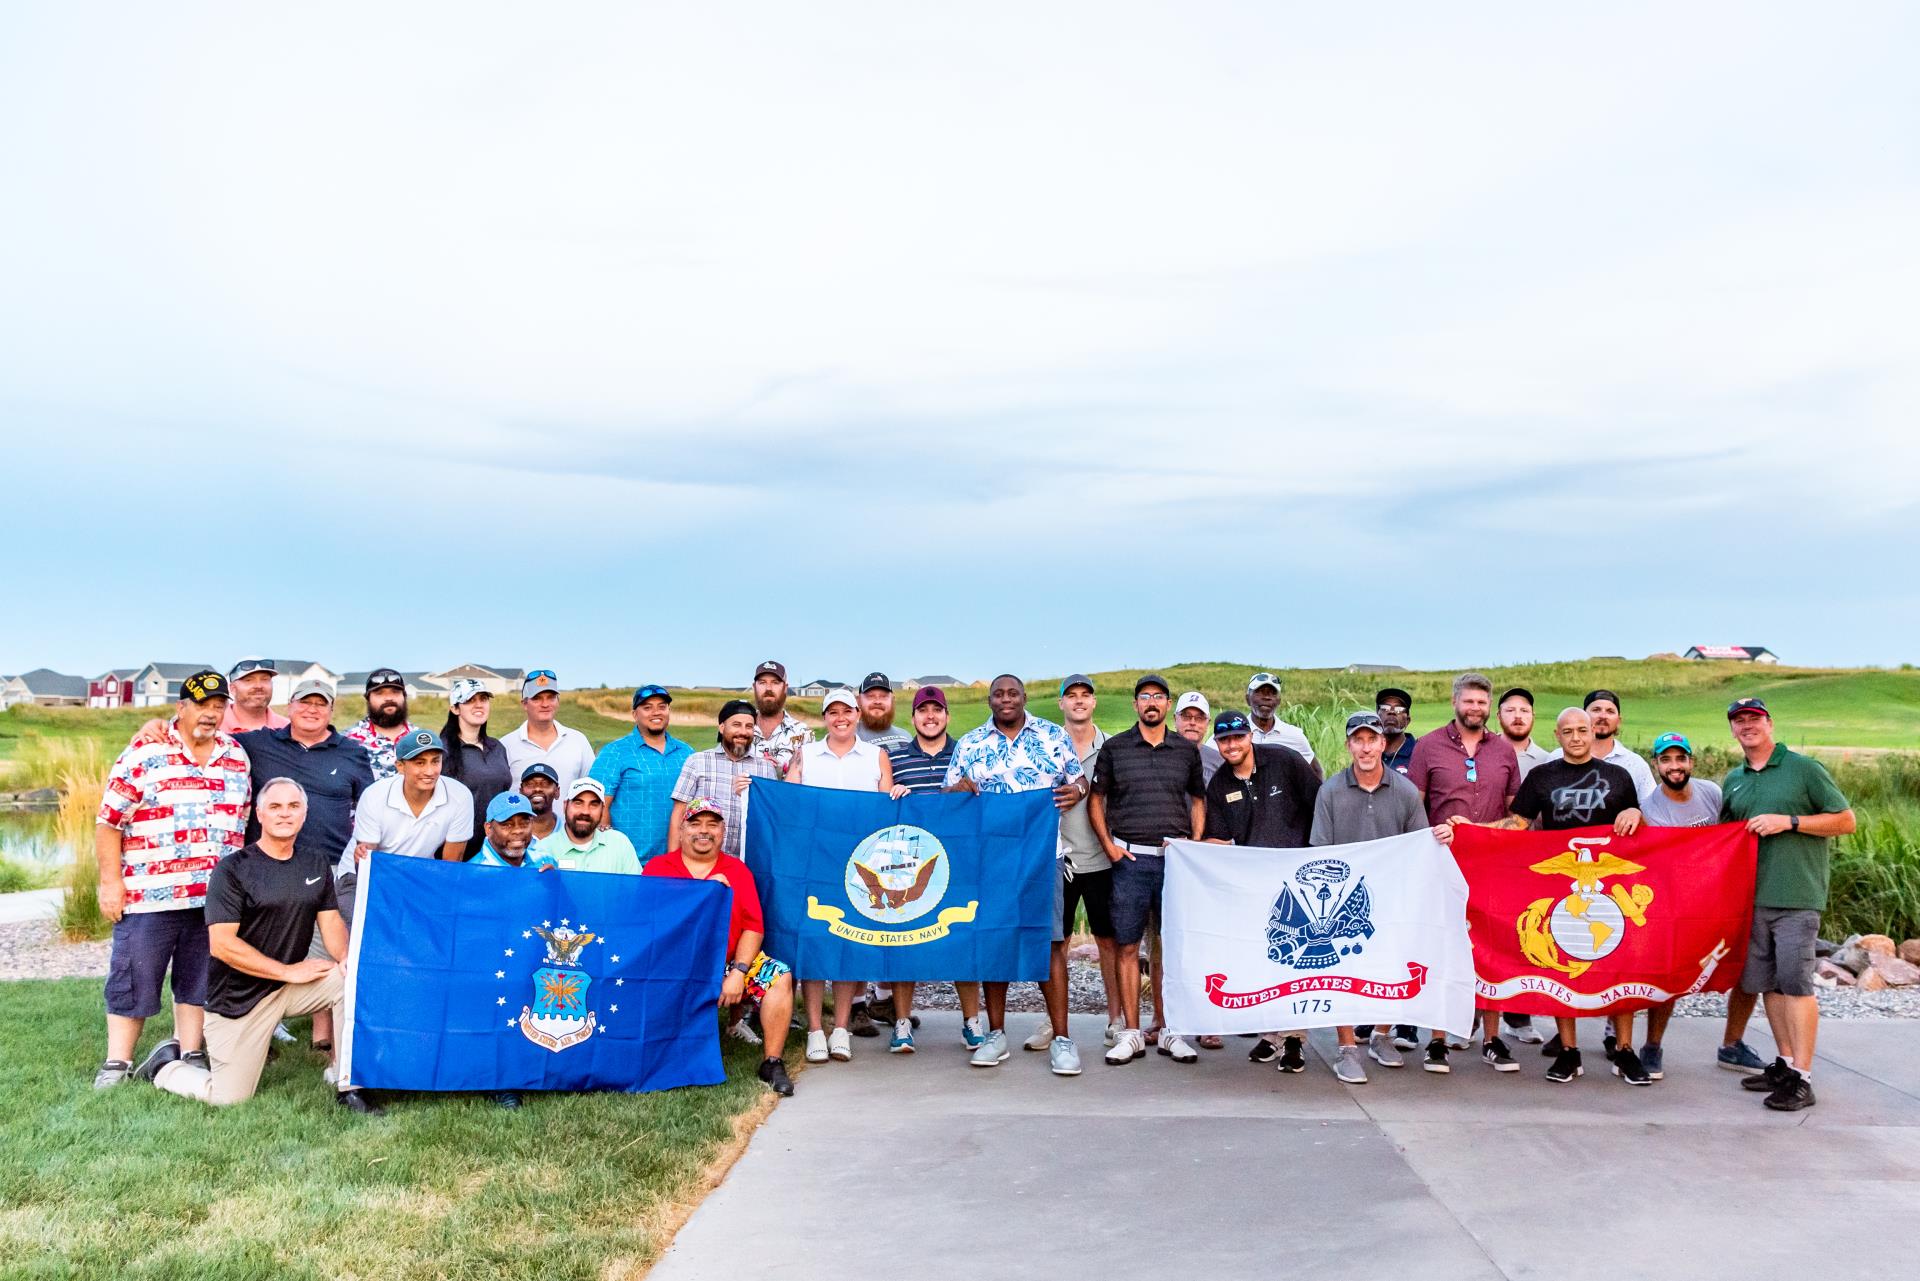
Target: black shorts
column 1095, row 889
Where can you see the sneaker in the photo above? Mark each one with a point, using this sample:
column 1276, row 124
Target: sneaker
column 1063, row 1057
column 111, row 1073
column 507, row 1099
column 168, row 1051
column 860, row 1023
column 1350, row 1066
column 973, row 1031
column 1610, row 1045
column 282, row 1035
column 1520, row 1027
column 840, row 1043
column 902, row 1042
column 360, row 1102
column 1175, row 1047
column 1381, row 1049
column 880, row 1010
column 1654, row 1062
column 1293, row 1055
column 1406, row 1037
column 1566, row 1066
column 774, row 1073
column 1498, row 1057
column 993, row 1051
column 1552, row 1048
column 1042, row 1039
column 1739, row 1057
column 197, row 1058
column 1793, row 1095
column 1628, row 1067
column 741, row 1032
column 1114, row 1028
column 330, row 1074
column 1771, row 1078
column 1435, row 1059
column 1132, row 1043
column 816, row 1047
column 1263, row 1051
column 1459, row 1042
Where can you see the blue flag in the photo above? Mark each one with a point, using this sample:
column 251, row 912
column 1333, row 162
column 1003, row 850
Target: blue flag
column 854, row 885
column 498, row 978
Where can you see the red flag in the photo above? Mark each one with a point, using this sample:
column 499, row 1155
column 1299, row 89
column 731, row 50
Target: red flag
column 1585, row 922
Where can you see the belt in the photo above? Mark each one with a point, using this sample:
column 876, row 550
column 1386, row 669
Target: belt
column 1151, row 851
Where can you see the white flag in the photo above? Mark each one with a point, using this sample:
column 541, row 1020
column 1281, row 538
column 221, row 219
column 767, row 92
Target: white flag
column 1261, row 940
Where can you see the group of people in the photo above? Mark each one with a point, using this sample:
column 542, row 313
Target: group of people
column 229, row 837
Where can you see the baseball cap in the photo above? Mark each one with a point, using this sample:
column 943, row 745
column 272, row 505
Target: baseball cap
column 1078, row 678
column 876, row 680
column 586, row 783
column 1667, row 740
column 1365, row 720
column 506, row 805
column 1594, row 696
column 701, row 805
column 1740, row 705
column 311, row 686
column 734, row 707
column 381, row 677
column 248, row 666
column 1151, row 678
column 541, row 680
column 645, row 692
column 1193, row 698
column 1228, row 724
column 841, row 695
column 463, row 689
column 543, row 770
column 929, row 694
column 203, row 685
column 771, row 668
column 1394, row 691
column 410, row 745
column 1518, row 691
column 1258, row 679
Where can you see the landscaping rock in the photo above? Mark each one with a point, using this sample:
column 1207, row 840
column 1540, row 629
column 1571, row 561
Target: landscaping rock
column 1822, row 947
column 1871, row 981
column 1909, row 951
column 1896, row 972
column 1851, row 957
column 1877, row 944
column 1835, row 975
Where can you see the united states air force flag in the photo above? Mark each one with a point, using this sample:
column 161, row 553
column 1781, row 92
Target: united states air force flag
column 854, row 885
column 494, row 978
column 1263, row 940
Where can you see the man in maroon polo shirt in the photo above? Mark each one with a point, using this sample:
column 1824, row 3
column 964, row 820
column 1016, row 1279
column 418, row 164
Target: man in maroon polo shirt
column 1466, row 775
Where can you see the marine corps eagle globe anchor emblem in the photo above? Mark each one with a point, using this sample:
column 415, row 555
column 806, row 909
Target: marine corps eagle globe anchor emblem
column 1589, row 922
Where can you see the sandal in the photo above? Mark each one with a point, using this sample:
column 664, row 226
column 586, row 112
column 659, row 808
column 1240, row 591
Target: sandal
column 1153, row 1034
column 1208, row 1042
column 323, row 1047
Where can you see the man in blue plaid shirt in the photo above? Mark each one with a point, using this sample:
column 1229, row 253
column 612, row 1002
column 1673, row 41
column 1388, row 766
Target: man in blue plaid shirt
column 720, row 775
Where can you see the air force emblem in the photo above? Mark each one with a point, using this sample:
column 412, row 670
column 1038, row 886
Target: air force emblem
column 559, row 1017
column 1314, row 929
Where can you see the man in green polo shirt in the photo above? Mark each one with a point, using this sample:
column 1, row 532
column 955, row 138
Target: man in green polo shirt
column 579, row 844
column 1790, row 802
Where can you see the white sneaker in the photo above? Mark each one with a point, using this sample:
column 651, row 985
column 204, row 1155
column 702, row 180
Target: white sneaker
column 1528, row 1035
column 741, row 1032
column 993, row 1051
column 1128, row 1046
column 1041, row 1039
column 1459, row 1042
column 840, row 1044
column 1063, row 1057
column 816, row 1046
column 1114, row 1029
column 1176, row 1048
column 331, row 1075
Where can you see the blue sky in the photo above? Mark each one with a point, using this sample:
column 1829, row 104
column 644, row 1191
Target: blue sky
column 646, row 343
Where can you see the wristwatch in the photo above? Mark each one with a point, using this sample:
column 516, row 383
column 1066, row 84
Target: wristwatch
column 1794, row 822
column 742, row 966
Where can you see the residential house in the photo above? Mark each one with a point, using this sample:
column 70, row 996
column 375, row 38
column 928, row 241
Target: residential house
column 418, row 683
column 112, row 689
column 940, row 682
column 495, row 680
column 815, row 688
column 158, row 684
column 44, row 687
column 1732, row 653
column 1374, row 669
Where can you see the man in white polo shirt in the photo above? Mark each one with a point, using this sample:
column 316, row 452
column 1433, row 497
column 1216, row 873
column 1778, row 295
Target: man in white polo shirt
column 544, row 739
column 1263, row 707
column 416, row 813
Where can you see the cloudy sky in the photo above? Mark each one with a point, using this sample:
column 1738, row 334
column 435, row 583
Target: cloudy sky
column 645, row 342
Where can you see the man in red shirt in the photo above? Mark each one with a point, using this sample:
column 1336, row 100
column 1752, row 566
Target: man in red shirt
column 750, row 972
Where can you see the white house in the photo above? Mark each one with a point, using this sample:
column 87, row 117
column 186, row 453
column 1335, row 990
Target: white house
column 496, row 680
column 288, row 672
column 941, row 682
column 1732, row 653
column 354, row 684
column 44, row 687
column 158, row 684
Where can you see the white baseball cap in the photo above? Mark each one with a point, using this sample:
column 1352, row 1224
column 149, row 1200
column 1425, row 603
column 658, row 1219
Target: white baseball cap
column 586, row 783
column 1193, row 698
column 841, row 695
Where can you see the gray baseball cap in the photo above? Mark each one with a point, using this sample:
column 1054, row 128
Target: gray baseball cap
column 1365, row 720
column 311, row 686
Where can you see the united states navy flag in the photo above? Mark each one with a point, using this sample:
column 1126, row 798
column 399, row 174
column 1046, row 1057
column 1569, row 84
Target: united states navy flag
column 493, row 978
column 855, row 885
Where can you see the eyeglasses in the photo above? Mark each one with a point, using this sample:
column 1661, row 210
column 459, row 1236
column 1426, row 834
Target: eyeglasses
column 1384, row 708
column 1150, row 696
column 1473, row 770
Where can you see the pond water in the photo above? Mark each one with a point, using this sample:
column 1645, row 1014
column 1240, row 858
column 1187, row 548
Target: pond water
column 31, row 839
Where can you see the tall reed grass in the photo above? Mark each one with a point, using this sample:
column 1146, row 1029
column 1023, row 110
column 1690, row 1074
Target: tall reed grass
column 81, row 780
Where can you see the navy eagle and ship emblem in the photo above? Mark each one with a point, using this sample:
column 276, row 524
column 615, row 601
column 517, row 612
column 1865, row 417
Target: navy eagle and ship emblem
column 1315, row 928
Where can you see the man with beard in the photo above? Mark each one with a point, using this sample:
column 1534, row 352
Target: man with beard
column 876, row 713
column 1516, row 726
column 541, row 786
column 581, row 844
column 1578, row 789
column 919, row 764
column 778, row 735
column 509, row 833
column 637, row 773
column 1394, row 707
column 1147, row 790
column 1263, row 705
column 251, row 680
column 720, row 775
column 1015, row 752
column 1602, row 707
column 543, row 738
column 1681, row 800
column 384, row 725
column 1191, row 717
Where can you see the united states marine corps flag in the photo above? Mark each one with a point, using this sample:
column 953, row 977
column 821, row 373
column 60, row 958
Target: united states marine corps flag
column 1586, row 922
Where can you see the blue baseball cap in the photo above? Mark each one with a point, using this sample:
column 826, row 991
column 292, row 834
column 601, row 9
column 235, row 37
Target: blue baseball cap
column 506, row 805
column 411, row 744
column 1740, row 705
column 646, row 692
column 1228, row 724
column 1665, row 741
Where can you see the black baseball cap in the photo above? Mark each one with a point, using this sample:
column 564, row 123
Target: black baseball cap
column 204, row 685
column 1228, row 724
column 384, row 676
column 1740, row 705
column 734, row 707
column 1406, row 699
column 543, row 770
column 1152, row 678
column 1520, row 690
column 248, row 666
column 876, row 680
column 1595, row 695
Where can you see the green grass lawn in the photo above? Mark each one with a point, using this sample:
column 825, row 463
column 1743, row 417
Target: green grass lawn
column 134, row 1183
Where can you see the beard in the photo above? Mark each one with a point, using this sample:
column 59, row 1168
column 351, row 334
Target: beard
column 877, row 721
column 387, row 716
column 582, row 825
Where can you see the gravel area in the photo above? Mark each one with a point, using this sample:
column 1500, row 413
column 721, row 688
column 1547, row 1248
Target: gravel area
column 35, row 950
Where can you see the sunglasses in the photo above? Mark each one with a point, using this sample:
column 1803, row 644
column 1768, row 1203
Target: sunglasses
column 540, row 673
column 1473, row 770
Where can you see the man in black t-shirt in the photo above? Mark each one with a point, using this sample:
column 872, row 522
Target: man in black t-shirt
column 263, row 905
column 1262, row 795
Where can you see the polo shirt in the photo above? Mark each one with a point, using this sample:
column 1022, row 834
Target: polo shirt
column 490, row 857
column 639, row 779
column 1441, row 770
column 484, row 770
column 571, row 754
column 1400, row 760
column 387, row 823
column 1345, row 813
column 231, row 723
column 336, row 772
column 1272, row 808
column 917, row 770
column 1627, row 759
column 1558, row 795
column 1148, row 789
column 1283, row 735
column 607, row 851
column 1793, row 866
column 1210, row 761
column 1078, row 845
column 1529, row 756
column 857, row 771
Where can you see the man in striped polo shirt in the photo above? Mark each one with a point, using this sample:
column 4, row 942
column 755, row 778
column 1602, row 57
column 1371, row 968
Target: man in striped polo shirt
column 171, row 810
column 919, row 765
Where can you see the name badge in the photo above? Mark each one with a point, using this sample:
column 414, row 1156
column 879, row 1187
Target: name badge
column 1232, row 797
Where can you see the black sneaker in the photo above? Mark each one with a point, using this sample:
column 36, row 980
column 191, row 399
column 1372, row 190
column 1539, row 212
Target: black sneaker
column 505, row 1099
column 1406, row 1036
column 197, row 1058
column 1610, row 1045
column 1498, row 1057
column 1435, row 1059
column 1796, row 1093
column 168, row 1051
column 1362, row 1031
column 1263, row 1051
column 1778, row 1073
column 1293, row 1055
column 359, row 1101
column 774, row 1073
column 1565, row 1067
column 1551, row 1050
column 860, row 1023
column 1627, row 1066
column 880, row 1010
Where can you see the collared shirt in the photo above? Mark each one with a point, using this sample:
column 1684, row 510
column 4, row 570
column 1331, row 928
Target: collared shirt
column 857, row 771
column 639, row 779
column 781, row 746
column 1627, row 759
column 1211, row 760
column 230, row 723
column 917, row 770
column 335, row 773
column 711, row 775
column 1400, row 760
column 490, row 857
column 1284, row 735
column 1039, row 756
column 1271, row 808
column 379, row 746
column 571, row 755
column 1478, row 787
column 1149, row 789
column 484, row 770
column 1529, row 756
column 387, row 823
column 604, row 852
column 1793, row 866
column 1345, row 813
column 177, row 817
column 1078, row 844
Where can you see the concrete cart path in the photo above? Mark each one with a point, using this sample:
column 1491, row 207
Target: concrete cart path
column 1240, row 1171
column 30, row 905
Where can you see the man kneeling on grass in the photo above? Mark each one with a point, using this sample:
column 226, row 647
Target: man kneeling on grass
column 751, row 973
column 263, row 905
